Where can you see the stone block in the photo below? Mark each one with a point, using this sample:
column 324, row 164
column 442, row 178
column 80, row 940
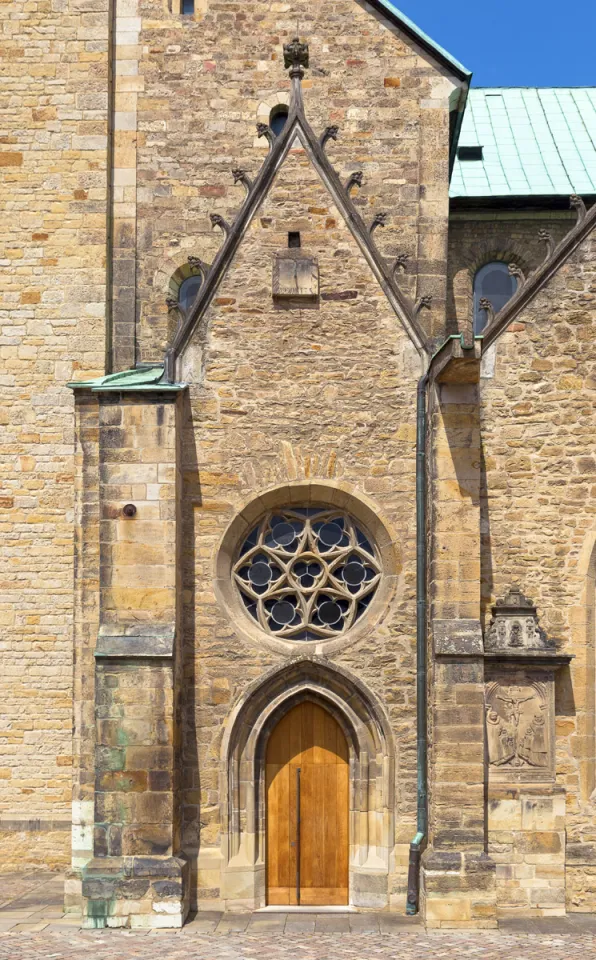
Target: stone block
column 457, row 638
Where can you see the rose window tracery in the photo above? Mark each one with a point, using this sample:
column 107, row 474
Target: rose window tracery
column 307, row 573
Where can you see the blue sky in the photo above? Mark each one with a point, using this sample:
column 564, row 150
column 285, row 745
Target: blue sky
column 533, row 43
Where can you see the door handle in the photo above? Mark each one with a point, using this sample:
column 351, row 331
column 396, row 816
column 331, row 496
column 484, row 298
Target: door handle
column 298, row 772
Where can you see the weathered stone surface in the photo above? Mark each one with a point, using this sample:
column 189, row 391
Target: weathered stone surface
column 306, row 397
column 458, row 637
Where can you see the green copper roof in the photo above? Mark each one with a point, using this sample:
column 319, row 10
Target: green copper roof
column 536, row 142
column 423, row 38
column 145, row 378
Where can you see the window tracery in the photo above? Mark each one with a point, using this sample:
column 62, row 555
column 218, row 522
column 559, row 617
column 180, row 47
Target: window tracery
column 307, row 573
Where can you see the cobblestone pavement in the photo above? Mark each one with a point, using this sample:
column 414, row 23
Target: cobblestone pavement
column 33, row 927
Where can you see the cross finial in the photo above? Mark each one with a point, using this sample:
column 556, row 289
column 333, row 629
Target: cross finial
column 296, row 58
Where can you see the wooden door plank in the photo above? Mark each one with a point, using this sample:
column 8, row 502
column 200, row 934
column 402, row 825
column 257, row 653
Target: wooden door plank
column 310, row 738
column 342, row 840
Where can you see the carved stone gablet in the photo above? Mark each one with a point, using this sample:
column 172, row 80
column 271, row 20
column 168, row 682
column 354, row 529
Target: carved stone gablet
column 514, row 627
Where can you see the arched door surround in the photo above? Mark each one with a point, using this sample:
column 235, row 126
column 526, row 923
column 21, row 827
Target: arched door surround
column 371, row 779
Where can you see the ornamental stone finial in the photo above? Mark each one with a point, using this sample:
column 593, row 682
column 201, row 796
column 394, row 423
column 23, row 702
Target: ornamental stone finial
column 296, row 57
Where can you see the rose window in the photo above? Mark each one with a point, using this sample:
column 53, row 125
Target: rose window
column 307, row 573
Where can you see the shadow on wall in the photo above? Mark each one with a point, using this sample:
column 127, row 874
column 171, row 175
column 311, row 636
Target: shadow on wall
column 189, row 769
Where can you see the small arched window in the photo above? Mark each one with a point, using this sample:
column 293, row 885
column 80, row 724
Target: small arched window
column 277, row 118
column 493, row 282
column 188, row 291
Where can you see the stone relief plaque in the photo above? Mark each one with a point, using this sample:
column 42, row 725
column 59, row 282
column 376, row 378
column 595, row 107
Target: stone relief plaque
column 295, row 277
column 520, row 725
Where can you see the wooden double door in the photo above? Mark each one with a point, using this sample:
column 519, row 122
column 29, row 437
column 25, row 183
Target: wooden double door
column 307, row 781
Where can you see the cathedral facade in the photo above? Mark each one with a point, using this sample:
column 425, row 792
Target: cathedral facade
column 298, row 380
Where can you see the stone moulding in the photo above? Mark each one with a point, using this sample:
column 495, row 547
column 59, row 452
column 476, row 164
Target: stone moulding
column 296, row 127
column 323, row 493
column 372, row 779
column 142, row 641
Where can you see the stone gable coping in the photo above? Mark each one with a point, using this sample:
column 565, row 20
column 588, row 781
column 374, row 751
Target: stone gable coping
column 535, row 283
column 296, row 127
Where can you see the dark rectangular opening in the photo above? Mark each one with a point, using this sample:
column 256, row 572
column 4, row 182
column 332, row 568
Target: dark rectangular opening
column 469, row 153
column 188, row 6
column 293, row 239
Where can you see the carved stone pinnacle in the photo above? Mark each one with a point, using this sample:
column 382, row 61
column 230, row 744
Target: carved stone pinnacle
column 296, row 57
column 380, row 220
column 354, row 180
column 329, row 133
column 400, row 262
column 545, row 237
column 264, row 130
column 516, row 271
column 241, row 176
column 423, row 303
column 219, row 221
column 576, row 203
column 485, row 304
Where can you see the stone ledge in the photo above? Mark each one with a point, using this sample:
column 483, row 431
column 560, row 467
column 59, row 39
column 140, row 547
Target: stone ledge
column 136, row 642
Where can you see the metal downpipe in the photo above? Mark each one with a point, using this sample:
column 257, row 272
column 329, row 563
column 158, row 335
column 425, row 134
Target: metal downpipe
column 416, row 846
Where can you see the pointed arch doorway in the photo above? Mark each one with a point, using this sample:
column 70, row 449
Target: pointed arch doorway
column 307, row 791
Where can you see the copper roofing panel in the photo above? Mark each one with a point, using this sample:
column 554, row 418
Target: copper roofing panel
column 537, row 141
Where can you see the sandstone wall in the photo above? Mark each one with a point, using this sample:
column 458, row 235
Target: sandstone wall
column 279, row 395
column 539, row 520
column 206, row 82
column 478, row 236
column 53, row 234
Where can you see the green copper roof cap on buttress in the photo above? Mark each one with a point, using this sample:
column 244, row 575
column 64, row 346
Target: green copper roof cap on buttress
column 536, row 141
column 142, row 379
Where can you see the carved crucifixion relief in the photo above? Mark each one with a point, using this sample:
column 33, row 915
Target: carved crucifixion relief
column 518, row 727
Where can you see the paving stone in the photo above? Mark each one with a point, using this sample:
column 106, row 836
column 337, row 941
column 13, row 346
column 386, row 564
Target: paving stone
column 211, row 935
column 302, row 923
column 364, row 923
column 333, row 923
column 232, row 923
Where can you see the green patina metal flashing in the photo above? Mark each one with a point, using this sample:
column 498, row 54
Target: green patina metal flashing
column 408, row 26
column 455, row 336
column 145, row 379
column 457, row 103
column 536, row 142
